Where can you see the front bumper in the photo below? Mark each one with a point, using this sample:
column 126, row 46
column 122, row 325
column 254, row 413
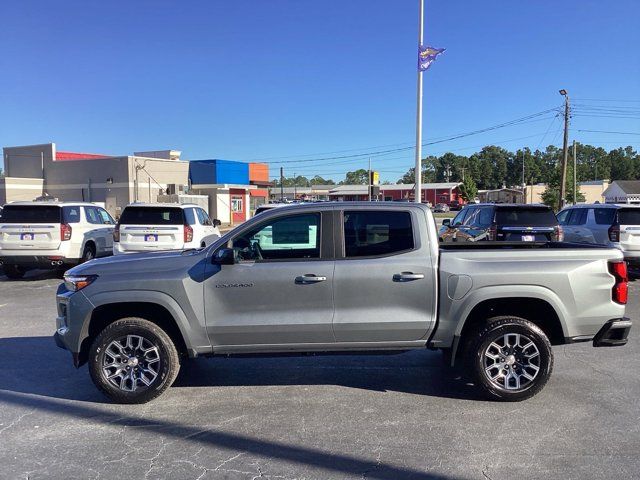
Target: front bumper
column 614, row 333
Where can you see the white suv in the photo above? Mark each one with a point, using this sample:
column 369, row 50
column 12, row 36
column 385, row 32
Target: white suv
column 52, row 235
column 152, row 227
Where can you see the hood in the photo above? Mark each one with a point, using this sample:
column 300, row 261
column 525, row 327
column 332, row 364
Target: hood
column 138, row 262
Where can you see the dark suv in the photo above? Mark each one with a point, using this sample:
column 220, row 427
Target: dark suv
column 502, row 222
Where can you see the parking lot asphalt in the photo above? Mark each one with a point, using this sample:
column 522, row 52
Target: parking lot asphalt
column 383, row 417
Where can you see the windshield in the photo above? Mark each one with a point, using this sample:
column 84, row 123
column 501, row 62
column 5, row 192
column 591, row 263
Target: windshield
column 530, row 217
column 629, row 216
column 152, row 216
column 30, row 214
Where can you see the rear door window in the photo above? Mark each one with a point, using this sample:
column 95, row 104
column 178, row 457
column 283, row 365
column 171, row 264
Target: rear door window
column 485, row 218
column 530, row 217
column 629, row 216
column 578, row 216
column 152, row 216
column 374, row 233
column 604, row 216
column 27, row 214
column 71, row 214
column 190, row 216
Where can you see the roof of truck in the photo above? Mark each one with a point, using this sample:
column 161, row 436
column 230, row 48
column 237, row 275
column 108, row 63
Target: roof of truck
column 49, row 203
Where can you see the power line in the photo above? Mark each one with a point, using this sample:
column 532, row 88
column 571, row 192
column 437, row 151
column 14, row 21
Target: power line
column 434, row 142
column 605, row 131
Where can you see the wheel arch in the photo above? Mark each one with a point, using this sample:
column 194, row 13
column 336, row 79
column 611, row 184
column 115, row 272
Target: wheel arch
column 164, row 314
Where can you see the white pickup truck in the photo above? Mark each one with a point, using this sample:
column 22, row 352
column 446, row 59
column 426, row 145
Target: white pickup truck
column 342, row 277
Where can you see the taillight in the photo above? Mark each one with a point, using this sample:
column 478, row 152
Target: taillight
column 620, row 291
column 558, row 233
column 65, row 231
column 614, row 233
column 116, row 233
column 188, row 234
column 492, row 232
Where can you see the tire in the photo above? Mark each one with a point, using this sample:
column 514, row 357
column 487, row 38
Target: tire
column 510, row 358
column 89, row 253
column 14, row 272
column 138, row 377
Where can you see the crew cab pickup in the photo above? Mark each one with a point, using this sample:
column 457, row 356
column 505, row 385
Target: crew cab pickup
column 342, row 277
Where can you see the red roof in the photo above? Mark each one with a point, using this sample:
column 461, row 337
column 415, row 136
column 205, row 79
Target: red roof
column 61, row 156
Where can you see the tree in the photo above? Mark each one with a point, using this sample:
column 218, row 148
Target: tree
column 468, row 189
column 318, row 180
column 358, row 177
column 551, row 194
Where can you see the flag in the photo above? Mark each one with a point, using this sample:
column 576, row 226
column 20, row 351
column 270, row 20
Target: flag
column 426, row 56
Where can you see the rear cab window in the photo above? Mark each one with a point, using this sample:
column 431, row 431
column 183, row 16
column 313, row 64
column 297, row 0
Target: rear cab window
column 375, row 233
column 27, row 214
column 523, row 216
column 152, row 216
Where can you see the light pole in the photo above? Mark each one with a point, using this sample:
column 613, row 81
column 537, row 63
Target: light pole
column 418, row 171
column 565, row 149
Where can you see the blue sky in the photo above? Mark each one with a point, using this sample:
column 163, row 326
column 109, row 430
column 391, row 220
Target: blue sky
column 255, row 79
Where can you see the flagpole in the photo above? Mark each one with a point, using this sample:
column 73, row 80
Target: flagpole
column 418, row 170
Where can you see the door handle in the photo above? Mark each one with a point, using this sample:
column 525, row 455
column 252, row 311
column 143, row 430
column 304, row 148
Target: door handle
column 309, row 278
column 407, row 276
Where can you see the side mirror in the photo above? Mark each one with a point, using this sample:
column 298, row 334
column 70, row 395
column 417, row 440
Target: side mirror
column 225, row 256
column 446, row 222
column 216, row 222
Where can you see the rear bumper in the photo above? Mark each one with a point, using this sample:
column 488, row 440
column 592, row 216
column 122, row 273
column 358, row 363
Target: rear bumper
column 38, row 261
column 614, row 333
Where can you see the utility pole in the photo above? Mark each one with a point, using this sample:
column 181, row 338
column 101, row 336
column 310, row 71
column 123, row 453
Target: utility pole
column 575, row 183
column 418, row 171
column 565, row 150
column 295, row 187
column 282, row 184
column 369, row 181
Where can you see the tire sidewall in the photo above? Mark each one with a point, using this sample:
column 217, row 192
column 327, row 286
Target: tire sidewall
column 88, row 250
column 169, row 363
column 495, row 331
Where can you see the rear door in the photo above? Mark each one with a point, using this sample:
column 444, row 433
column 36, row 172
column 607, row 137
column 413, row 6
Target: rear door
column 629, row 221
column 144, row 228
column 30, row 227
column 384, row 281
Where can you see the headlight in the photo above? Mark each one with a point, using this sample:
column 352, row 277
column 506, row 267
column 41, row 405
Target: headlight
column 73, row 283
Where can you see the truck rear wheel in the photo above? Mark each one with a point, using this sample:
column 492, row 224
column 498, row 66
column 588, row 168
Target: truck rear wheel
column 511, row 358
column 133, row 361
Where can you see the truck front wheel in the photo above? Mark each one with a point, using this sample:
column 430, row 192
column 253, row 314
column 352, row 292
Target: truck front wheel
column 133, row 361
column 511, row 358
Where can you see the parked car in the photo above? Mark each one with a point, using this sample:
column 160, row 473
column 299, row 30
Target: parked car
column 152, row 227
column 342, row 277
column 606, row 224
column 502, row 222
column 268, row 206
column 441, row 208
column 52, row 235
column 455, row 205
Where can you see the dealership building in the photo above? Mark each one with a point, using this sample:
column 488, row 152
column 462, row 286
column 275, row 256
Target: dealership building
column 43, row 171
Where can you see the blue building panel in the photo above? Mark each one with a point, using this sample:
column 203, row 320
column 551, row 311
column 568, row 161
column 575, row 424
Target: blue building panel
column 215, row 171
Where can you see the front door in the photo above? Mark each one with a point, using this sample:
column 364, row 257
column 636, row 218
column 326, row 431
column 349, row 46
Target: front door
column 384, row 280
column 279, row 291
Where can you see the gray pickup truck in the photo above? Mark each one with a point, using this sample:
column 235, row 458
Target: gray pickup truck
column 341, row 277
